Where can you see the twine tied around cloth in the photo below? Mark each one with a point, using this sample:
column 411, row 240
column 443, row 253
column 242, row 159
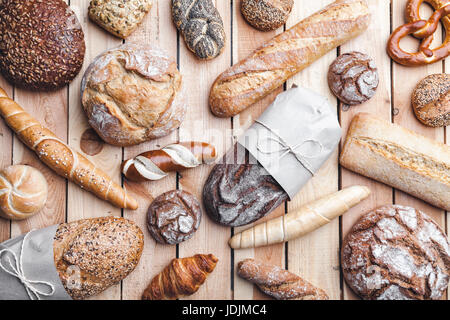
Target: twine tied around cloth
column 17, row 271
column 285, row 148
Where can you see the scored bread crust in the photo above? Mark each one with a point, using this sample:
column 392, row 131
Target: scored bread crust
column 93, row 254
column 398, row 157
column 272, row 64
column 132, row 94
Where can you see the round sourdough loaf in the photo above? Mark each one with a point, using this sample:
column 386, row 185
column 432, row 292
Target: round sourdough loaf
column 133, row 93
column 41, row 43
column 23, row 192
column 396, row 253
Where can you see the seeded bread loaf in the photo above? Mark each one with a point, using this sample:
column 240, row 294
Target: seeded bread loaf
column 396, row 253
column 93, row 254
column 266, row 15
column 41, row 43
column 119, row 17
column 398, row 157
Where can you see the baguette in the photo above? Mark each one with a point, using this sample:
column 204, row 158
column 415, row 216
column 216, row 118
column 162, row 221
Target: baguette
column 61, row 158
column 287, row 54
column 298, row 223
column 279, row 283
column 399, row 158
column 93, row 254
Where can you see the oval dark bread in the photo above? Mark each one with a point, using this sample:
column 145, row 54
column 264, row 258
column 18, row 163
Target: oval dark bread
column 266, row 15
column 93, row 254
column 431, row 100
column 238, row 194
column 41, row 43
column 396, row 253
column 174, row 217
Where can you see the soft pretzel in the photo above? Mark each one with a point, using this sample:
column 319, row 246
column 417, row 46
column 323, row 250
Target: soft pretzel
column 155, row 164
column 61, row 158
column 421, row 29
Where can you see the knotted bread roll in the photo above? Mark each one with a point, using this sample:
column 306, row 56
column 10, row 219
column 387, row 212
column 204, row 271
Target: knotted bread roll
column 23, row 192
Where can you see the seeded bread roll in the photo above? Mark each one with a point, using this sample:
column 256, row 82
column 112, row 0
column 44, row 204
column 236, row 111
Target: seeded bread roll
column 266, row 15
column 396, row 253
column 431, row 100
column 132, row 94
column 119, row 17
column 23, row 192
column 93, row 254
column 41, row 43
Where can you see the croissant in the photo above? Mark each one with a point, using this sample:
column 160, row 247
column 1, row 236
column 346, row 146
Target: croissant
column 61, row 158
column 182, row 277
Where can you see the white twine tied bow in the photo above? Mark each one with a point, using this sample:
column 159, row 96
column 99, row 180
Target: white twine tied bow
column 16, row 270
column 285, row 148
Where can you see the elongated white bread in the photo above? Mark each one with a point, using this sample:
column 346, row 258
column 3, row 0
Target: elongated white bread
column 300, row 222
column 399, row 158
column 61, row 158
column 272, row 64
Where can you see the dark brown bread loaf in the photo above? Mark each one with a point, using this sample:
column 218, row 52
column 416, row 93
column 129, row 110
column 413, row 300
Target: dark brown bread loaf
column 431, row 100
column 41, row 43
column 279, row 283
column 396, row 253
column 174, row 217
column 266, row 15
column 94, row 254
column 201, row 25
column 238, row 194
column 353, row 78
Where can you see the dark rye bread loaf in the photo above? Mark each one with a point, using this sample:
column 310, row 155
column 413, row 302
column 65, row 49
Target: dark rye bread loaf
column 93, row 254
column 41, row 43
column 396, row 253
column 238, row 194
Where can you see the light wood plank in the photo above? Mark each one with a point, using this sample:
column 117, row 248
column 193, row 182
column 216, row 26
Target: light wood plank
column 82, row 204
column 373, row 43
column 158, row 30
column 201, row 125
column 6, row 140
column 245, row 40
column 405, row 80
column 315, row 256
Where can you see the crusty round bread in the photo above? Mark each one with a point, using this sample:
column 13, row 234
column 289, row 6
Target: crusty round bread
column 41, row 43
column 431, row 100
column 266, row 15
column 133, row 93
column 396, row 253
column 23, row 192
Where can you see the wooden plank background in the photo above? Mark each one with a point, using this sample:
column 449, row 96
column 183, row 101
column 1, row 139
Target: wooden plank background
column 315, row 256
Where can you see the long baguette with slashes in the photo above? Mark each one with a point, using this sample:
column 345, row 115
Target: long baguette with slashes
column 155, row 164
column 298, row 223
column 270, row 66
column 61, row 158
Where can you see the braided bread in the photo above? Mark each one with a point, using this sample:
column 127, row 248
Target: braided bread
column 182, row 277
column 155, row 164
column 61, row 158
column 201, row 26
column 287, row 54
column 279, row 283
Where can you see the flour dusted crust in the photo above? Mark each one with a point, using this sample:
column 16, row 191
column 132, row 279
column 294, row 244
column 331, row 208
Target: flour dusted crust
column 396, row 253
column 132, row 94
column 238, row 194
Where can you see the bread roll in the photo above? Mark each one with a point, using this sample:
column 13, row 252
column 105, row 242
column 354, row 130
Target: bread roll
column 132, row 94
column 272, row 64
column 119, row 17
column 93, row 254
column 266, row 15
column 23, row 192
column 398, row 157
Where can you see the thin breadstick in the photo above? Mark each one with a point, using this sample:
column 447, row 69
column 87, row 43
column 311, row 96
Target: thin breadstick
column 300, row 222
